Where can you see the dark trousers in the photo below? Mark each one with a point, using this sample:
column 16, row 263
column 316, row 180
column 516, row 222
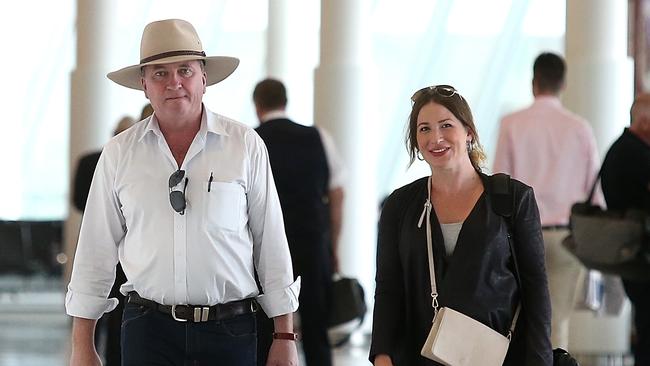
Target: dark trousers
column 639, row 294
column 107, row 333
column 313, row 310
column 152, row 338
column 314, row 314
column 264, row 337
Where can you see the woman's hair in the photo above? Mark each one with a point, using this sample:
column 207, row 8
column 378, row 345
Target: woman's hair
column 448, row 97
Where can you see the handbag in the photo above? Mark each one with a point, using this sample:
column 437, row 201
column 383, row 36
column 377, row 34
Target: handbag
column 346, row 311
column 348, row 301
column 610, row 241
column 563, row 358
column 456, row 339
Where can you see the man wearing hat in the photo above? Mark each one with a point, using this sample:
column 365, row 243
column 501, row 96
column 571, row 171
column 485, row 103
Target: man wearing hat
column 185, row 201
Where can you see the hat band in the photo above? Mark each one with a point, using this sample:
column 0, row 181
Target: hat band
column 171, row 54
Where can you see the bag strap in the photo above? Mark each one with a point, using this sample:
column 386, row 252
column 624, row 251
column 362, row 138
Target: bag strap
column 503, row 201
column 593, row 187
column 426, row 212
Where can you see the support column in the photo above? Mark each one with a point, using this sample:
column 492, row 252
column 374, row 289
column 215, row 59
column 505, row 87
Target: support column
column 600, row 73
column 339, row 107
column 599, row 88
column 277, row 37
column 89, row 123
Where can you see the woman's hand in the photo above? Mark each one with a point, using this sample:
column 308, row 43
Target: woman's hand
column 383, row 360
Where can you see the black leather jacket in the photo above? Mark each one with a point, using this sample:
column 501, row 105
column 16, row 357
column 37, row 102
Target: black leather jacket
column 477, row 279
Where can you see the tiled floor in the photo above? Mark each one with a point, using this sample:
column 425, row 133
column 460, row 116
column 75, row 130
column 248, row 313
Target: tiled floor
column 34, row 330
column 33, row 327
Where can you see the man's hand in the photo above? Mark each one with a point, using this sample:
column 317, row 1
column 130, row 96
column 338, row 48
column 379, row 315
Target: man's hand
column 283, row 352
column 84, row 357
column 83, row 345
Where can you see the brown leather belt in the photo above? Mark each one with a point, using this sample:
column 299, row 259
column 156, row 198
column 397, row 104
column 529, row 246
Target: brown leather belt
column 197, row 313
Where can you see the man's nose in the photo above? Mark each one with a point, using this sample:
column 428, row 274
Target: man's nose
column 174, row 82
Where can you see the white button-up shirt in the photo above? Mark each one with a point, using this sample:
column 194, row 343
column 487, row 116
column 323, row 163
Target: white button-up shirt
column 232, row 224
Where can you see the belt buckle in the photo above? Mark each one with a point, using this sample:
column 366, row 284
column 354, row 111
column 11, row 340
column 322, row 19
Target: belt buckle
column 174, row 315
column 201, row 314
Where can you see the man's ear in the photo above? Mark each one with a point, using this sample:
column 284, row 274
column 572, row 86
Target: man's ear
column 205, row 82
column 144, row 87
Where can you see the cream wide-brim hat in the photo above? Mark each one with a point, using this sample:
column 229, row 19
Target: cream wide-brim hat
column 168, row 41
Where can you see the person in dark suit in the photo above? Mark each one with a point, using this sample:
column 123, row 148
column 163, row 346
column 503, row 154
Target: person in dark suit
column 307, row 174
column 474, row 267
column 108, row 335
column 625, row 179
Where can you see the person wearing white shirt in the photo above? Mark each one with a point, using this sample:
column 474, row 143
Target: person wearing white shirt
column 185, row 201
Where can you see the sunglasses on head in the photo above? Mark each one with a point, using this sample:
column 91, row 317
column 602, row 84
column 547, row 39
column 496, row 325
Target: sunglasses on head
column 177, row 198
column 446, row 91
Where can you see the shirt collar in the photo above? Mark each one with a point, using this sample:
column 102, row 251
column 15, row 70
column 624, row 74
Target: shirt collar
column 276, row 114
column 213, row 122
column 548, row 100
column 151, row 126
column 210, row 122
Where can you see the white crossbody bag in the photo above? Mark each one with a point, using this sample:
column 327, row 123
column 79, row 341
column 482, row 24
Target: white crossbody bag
column 456, row 339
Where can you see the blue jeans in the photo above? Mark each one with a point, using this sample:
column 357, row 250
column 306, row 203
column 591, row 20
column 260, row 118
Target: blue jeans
column 152, row 338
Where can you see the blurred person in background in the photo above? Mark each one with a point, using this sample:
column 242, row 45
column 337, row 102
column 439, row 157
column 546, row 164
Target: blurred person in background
column 625, row 179
column 554, row 151
column 308, row 174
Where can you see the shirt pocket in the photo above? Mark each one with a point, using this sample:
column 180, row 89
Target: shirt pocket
column 224, row 209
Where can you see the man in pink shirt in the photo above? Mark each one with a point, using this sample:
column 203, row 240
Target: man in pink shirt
column 554, row 151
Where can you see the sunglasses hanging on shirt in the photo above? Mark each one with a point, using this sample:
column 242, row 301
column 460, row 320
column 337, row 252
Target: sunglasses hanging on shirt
column 177, row 198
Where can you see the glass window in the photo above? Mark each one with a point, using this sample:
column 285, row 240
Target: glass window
column 485, row 49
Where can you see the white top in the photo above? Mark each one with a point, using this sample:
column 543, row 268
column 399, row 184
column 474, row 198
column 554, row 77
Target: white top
column 334, row 161
column 203, row 257
column 450, row 234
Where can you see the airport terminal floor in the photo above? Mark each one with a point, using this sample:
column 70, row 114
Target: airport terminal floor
column 34, row 330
